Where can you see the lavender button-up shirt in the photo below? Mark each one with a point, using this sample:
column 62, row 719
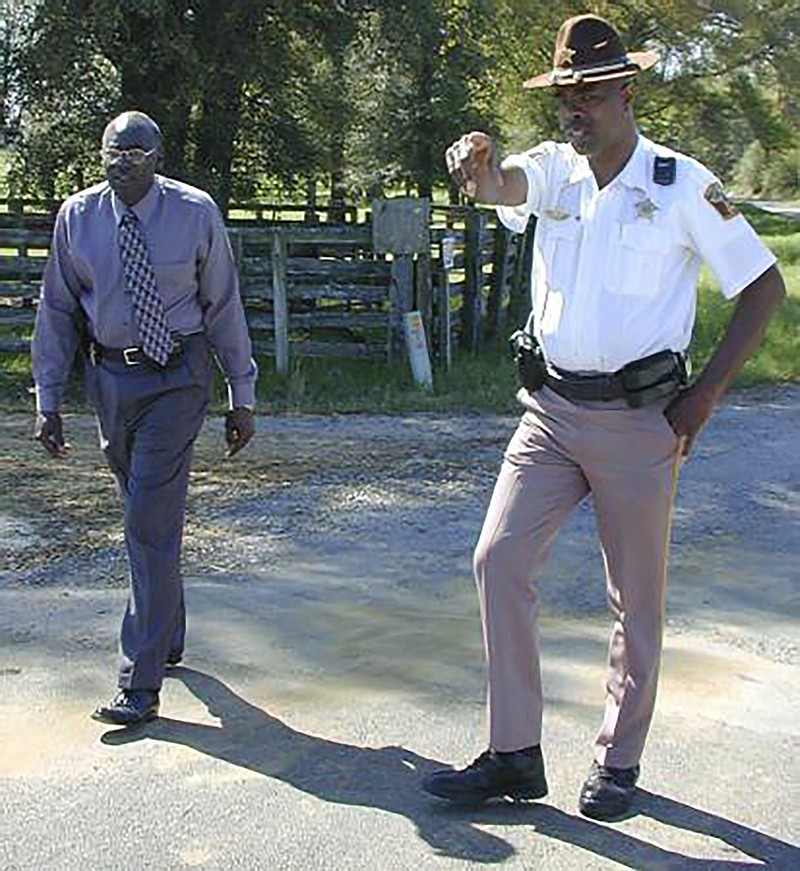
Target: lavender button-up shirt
column 195, row 273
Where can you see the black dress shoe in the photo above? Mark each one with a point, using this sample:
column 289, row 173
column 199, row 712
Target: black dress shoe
column 518, row 775
column 608, row 792
column 129, row 708
column 175, row 658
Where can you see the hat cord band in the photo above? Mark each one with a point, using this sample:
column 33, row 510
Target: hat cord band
column 602, row 67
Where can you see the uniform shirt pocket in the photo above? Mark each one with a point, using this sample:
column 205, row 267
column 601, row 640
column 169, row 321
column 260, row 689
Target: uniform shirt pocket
column 636, row 260
column 560, row 247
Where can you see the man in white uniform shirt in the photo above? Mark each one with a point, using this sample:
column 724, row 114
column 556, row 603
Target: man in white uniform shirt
column 623, row 226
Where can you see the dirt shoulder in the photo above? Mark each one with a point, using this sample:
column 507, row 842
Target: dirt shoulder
column 419, row 485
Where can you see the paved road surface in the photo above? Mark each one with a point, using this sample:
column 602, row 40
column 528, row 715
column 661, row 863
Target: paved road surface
column 334, row 656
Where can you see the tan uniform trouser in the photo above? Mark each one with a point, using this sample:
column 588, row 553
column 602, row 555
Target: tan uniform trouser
column 628, row 460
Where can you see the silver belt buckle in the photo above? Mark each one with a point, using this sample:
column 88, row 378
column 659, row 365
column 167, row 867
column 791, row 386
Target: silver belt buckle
column 127, row 356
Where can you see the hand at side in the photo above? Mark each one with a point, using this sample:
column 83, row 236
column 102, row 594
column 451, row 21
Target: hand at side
column 239, row 429
column 48, row 430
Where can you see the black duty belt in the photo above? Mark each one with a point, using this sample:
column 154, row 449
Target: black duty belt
column 639, row 383
column 135, row 356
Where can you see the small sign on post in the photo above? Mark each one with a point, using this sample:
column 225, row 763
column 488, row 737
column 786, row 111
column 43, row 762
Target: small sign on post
column 418, row 349
column 448, row 252
column 401, row 226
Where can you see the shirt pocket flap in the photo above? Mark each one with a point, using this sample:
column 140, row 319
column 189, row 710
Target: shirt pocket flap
column 642, row 238
column 567, row 229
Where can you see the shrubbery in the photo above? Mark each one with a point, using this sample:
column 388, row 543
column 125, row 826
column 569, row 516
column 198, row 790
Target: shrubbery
column 768, row 174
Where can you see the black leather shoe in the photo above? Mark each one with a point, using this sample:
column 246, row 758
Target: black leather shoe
column 129, row 708
column 518, row 775
column 175, row 658
column 608, row 792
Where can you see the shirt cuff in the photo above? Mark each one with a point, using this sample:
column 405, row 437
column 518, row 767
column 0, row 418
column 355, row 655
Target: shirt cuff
column 48, row 399
column 515, row 218
column 242, row 394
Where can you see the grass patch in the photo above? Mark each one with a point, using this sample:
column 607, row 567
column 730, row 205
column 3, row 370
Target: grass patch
column 324, row 386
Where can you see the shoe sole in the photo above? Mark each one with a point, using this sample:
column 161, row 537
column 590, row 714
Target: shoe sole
column 612, row 815
column 529, row 793
column 114, row 721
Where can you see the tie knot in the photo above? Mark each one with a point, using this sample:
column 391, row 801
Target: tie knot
column 129, row 217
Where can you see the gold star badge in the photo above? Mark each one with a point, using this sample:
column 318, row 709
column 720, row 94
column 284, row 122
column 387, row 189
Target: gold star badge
column 646, row 209
column 565, row 56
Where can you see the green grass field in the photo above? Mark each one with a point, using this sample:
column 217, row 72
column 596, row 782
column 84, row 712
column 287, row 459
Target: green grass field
column 485, row 382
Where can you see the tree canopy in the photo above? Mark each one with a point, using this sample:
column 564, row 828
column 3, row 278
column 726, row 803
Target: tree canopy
column 363, row 96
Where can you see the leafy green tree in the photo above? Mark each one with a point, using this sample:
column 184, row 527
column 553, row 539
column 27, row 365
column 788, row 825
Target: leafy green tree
column 420, row 76
column 367, row 94
column 191, row 66
column 15, row 20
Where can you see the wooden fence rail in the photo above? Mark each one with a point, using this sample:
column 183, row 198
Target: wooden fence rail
column 316, row 289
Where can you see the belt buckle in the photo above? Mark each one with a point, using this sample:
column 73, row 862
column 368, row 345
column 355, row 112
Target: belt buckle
column 127, row 356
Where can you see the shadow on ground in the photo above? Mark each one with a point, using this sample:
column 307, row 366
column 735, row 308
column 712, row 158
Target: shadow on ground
column 388, row 778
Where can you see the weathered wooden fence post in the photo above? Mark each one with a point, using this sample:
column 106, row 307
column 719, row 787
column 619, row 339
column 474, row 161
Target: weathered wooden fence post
column 447, row 248
column 280, row 302
column 473, row 279
column 423, row 284
column 401, row 300
column 498, row 288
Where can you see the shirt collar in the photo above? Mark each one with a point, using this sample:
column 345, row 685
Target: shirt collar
column 632, row 175
column 580, row 169
column 143, row 209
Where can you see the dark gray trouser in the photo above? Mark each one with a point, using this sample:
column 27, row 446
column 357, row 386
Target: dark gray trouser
column 148, row 422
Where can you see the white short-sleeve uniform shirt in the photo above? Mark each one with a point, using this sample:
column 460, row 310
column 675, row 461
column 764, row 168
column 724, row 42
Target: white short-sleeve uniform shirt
column 614, row 274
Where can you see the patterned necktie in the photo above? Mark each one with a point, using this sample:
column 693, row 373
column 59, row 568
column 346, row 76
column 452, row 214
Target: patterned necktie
column 148, row 306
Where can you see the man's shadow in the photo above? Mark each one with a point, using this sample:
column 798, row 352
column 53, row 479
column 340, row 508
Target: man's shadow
column 629, row 851
column 388, row 779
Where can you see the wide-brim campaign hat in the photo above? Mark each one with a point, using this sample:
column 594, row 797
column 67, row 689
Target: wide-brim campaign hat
column 589, row 49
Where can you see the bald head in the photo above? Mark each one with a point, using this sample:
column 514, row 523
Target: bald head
column 132, row 130
column 131, row 151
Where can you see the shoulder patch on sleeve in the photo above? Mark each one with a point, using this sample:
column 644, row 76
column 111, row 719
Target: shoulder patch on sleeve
column 718, row 199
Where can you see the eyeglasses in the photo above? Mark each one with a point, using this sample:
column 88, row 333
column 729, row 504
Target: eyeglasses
column 136, row 156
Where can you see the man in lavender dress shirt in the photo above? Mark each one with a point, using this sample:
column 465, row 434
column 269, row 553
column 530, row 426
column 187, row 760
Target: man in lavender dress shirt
column 149, row 413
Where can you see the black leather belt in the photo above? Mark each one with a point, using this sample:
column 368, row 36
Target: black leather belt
column 135, row 356
column 639, row 383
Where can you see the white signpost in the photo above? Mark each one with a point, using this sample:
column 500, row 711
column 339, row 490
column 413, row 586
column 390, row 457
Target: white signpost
column 418, row 349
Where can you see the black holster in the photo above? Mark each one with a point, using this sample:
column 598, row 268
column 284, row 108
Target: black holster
column 529, row 358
